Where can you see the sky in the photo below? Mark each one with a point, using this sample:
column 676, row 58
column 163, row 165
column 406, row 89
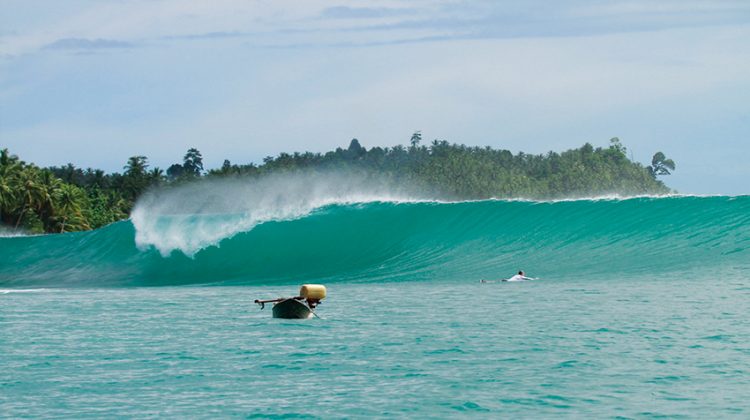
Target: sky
column 93, row 82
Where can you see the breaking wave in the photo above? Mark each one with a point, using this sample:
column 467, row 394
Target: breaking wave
column 279, row 231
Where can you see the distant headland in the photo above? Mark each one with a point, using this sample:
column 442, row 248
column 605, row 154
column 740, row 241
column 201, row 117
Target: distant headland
column 67, row 198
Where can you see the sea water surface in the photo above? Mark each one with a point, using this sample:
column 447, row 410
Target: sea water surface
column 641, row 311
column 562, row 347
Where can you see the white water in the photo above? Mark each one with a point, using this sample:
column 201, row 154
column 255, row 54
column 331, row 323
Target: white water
column 194, row 216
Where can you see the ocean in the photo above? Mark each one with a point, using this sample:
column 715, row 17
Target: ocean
column 640, row 311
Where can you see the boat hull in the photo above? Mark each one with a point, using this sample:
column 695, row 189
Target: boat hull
column 291, row 309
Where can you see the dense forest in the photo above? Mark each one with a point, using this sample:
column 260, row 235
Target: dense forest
column 67, row 198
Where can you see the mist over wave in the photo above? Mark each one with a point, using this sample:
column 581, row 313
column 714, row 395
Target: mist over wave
column 201, row 214
column 11, row 233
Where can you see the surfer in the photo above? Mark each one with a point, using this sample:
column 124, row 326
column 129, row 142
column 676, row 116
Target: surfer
column 521, row 276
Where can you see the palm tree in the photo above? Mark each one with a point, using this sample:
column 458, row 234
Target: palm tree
column 118, row 205
column 415, row 139
column 135, row 178
column 193, row 162
column 8, row 171
column 156, row 176
column 6, row 159
column 49, row 188
column 96, row 178
column 69, row 200
column 29, row 189
column 7, row 195
column 136, row 166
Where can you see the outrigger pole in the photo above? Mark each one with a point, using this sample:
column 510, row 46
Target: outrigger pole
column 262, row 303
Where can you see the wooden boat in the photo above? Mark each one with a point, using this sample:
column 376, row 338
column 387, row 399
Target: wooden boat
column 298, row 307
column 292, row 309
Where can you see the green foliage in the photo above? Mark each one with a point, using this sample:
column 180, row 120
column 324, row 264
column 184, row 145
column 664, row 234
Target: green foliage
column 415, row 139
column 175, row 171
column 462, row 172
column 65, row 199
column 660, row 165
column 136, row 178
column 193, row 163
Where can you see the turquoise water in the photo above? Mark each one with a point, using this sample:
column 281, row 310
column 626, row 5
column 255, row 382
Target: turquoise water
column 563, row 347
column 641, row 312
column 394, row 242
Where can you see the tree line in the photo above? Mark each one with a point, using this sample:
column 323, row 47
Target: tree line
column 67, row 198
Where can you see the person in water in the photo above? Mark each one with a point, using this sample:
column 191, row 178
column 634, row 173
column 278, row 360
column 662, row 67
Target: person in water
column 521, row 276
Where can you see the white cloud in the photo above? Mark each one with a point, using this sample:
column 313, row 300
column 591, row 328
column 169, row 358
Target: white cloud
column 349, row 21
column 203, row 81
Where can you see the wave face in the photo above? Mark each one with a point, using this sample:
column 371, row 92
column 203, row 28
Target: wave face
column 359, row 240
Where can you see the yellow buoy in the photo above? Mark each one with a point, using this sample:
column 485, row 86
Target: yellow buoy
column 313, row 291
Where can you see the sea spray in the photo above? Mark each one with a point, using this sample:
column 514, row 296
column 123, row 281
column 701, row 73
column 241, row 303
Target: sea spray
column 11, row 233
column 194, row 216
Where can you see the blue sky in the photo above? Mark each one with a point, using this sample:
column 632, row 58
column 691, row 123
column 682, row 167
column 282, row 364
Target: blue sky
column 94, row 82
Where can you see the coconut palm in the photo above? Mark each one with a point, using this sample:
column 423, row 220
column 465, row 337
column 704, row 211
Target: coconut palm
column 69, row 200
column 7, row 196
column 156, row 176
column 136, row 177
column 6, row 159
column 9, row 169
column 94, row 178
column 193, row 162
column 119, row 206
column 49, row 188
column 30, row 191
